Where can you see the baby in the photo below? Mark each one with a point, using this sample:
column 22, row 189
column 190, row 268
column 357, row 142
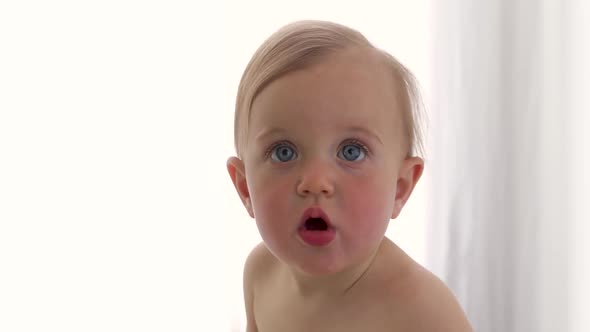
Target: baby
column 326, row 133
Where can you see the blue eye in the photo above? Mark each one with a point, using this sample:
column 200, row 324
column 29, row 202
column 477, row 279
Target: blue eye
column 352, row 152
column 282, row 153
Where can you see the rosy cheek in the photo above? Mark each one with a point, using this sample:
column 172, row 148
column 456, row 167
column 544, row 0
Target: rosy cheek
column 368, row 202
column 269, row 196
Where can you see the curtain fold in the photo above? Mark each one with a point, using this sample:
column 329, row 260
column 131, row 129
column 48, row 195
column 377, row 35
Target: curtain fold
column 507, row 154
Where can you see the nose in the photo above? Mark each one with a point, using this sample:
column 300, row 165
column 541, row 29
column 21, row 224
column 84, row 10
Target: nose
column 316, row 179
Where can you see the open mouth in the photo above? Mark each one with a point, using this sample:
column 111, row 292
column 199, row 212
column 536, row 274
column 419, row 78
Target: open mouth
column 314, row 219
column 315, row 224
column 316, row 229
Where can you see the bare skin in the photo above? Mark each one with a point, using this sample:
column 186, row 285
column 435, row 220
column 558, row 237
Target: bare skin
column 359, row 280
column 393, row 293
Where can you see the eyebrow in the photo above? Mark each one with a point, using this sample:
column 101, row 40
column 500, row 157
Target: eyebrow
column 268, row 132
column 275, row 130
column 366, row 132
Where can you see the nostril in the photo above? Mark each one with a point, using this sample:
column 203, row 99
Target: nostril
column 314, row 187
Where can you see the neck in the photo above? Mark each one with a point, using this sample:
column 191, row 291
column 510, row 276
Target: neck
column 336, row 284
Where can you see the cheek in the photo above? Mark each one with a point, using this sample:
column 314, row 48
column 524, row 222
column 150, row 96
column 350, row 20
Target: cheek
column 271, row 204
column 370, row 204
column 269, row 196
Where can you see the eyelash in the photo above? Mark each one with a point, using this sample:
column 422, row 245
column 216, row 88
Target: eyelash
column 353, row 141
column 356, row 142
column 273, row 146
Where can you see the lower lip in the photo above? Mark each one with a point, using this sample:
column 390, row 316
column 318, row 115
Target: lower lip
column 317, row 238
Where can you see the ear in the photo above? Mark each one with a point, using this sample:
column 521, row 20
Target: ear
column 409, row 174
column 237, row 172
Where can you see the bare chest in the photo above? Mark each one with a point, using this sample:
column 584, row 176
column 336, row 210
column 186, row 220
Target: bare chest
column 276, row 312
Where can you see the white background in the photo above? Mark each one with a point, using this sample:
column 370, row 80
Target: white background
column 116, row 119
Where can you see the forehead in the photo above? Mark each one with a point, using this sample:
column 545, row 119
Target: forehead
column 350, row 88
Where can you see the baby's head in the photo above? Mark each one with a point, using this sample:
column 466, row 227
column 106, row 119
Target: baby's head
column 326, row 130
column 302, row 44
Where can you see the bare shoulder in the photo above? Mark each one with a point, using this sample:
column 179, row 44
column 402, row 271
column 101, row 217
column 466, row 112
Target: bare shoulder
column 256, row 268
column 433, row 306
column 426, row 303
column 259, row 261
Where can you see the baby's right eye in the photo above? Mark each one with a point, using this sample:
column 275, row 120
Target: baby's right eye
column 282, row 153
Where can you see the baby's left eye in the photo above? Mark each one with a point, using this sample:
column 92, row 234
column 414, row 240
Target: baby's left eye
column 352, row 152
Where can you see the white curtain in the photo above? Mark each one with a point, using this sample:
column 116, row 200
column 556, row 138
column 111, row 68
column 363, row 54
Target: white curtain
column 509, row 161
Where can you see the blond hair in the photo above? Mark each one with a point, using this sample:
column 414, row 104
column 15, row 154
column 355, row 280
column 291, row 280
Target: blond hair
column 303, row 43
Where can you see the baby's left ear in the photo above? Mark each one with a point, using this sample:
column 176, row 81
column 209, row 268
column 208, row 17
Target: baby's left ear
column 409, row 174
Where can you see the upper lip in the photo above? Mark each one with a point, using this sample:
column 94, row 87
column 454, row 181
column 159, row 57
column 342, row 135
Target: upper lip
column 315, row 212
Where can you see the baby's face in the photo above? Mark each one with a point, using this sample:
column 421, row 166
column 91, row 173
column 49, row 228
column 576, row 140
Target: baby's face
column 326, row 142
